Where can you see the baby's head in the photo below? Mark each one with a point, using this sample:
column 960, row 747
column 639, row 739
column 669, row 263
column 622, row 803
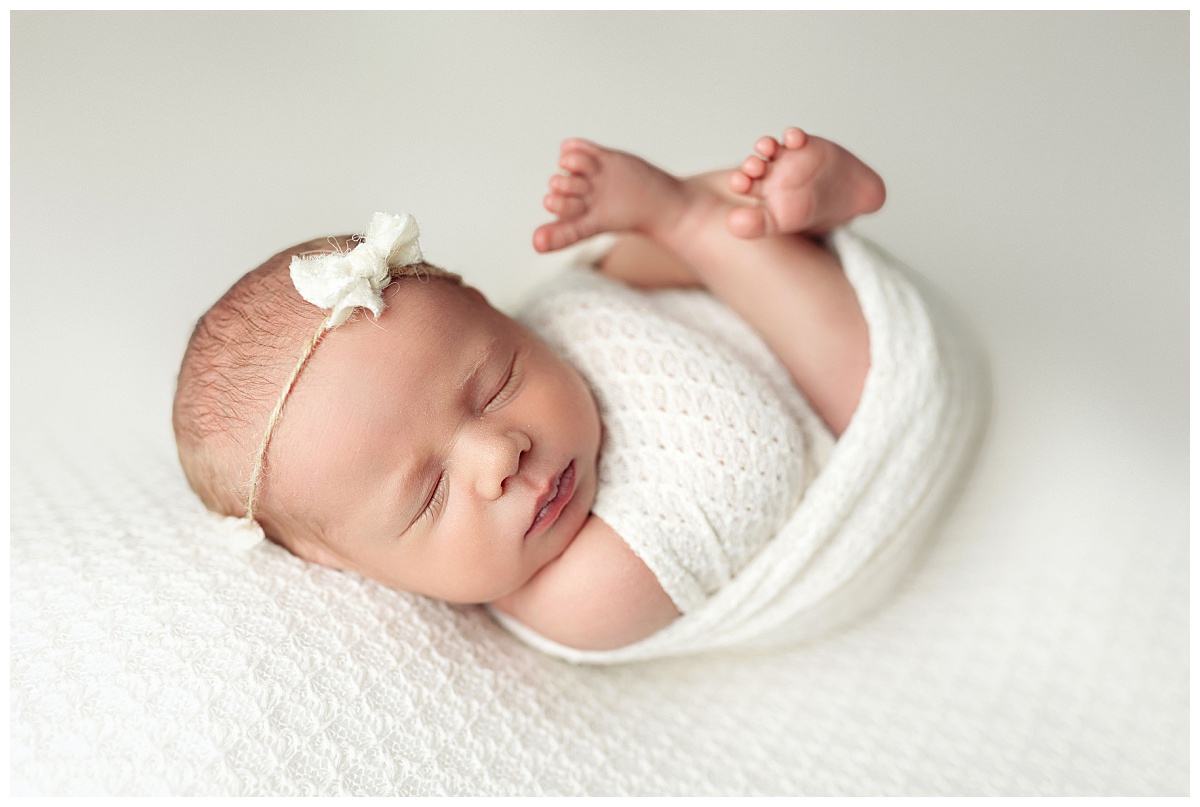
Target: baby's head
column 440, row 448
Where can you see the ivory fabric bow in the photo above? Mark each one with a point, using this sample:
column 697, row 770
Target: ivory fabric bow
column 343, row 281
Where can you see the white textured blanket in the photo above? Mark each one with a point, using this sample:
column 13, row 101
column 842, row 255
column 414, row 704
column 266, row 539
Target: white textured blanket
column 863, row 518
column 1042, row 649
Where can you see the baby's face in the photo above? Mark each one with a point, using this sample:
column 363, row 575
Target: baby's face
column 443, row 450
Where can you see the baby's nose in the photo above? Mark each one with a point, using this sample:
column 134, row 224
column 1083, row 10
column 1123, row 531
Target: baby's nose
column 498, row 460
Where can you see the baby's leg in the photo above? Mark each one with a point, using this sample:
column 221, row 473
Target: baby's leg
column 789, row 288
column 804, row 185
column 638, row 260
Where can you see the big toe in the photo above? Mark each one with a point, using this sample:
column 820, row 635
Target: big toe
column 556, row 235
column 748, row 222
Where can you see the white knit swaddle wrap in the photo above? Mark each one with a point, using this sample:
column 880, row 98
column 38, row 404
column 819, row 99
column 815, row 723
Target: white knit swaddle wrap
column 707, row 444
column 862, row 518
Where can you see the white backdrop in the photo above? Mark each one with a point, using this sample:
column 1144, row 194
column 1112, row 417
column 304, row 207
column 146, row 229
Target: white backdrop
column 1037, row 168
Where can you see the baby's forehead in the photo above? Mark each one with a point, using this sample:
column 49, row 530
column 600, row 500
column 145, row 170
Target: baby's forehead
column 438, row 305
column 376, row 392
column 429, row 331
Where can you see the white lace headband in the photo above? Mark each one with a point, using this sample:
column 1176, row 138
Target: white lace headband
column 340, row 282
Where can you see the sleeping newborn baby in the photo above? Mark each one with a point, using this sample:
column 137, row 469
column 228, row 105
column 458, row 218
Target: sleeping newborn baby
column 593, row 471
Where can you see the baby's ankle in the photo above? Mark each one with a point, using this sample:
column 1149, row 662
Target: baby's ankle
column 696, row 207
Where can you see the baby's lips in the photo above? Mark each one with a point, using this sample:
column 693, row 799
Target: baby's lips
column 556, row 496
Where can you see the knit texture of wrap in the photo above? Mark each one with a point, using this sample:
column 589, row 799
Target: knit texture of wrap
column 862, row 507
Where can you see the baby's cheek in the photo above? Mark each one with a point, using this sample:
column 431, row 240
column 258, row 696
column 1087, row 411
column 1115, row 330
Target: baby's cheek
column 572, row 400
column 469, row 568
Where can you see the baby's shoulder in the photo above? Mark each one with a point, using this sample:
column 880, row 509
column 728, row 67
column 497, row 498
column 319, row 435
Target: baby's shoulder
column 597, row 595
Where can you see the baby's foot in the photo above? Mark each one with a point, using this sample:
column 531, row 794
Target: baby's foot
column 610, row 191
column 805, row 185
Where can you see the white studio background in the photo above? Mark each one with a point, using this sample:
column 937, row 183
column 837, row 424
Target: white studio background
column 1036, row 166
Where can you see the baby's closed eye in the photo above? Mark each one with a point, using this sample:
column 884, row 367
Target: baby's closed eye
column 435, row 500
column 510, row 384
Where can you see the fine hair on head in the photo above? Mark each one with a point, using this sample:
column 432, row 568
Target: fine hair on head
column 238, row 359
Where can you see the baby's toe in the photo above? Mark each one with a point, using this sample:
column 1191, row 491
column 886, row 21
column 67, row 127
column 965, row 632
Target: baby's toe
column 739, row 182
column 579, row 144
column 768, row 147
column 571, row 184
column 544, row 238
column 577, row 162
column 565, row 207
column 754, row 167
column 556, row 235
column 794, row 138
column 748, row 222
